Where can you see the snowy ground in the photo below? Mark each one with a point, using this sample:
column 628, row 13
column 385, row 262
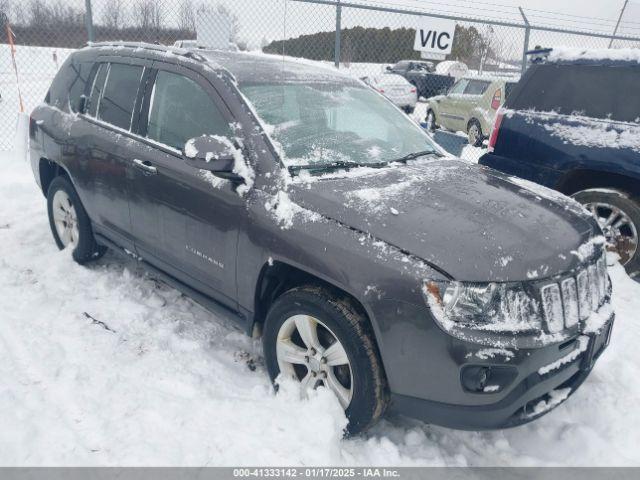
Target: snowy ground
column 103, row 365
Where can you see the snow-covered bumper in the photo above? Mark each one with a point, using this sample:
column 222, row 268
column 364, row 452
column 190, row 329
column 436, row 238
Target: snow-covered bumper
column 496, row 388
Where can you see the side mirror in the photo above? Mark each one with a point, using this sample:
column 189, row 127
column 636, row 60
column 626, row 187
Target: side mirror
column 388, row 68
column 214, row 154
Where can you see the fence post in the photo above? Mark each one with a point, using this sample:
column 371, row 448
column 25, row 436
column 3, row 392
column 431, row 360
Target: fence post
column 527, row 33
column 88, row 19
column 336, row 53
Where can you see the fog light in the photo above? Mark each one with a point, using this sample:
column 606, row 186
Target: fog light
column 487, row 379
column 475, row 378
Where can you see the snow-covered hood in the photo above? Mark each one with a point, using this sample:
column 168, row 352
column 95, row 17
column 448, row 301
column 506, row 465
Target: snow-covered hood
column 470, row 221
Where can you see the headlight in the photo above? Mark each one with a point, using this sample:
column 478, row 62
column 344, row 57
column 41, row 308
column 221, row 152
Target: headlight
column 498, row 307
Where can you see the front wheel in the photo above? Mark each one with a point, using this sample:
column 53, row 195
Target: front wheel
column 318, row 338
column 619, row 217
column 69, row 222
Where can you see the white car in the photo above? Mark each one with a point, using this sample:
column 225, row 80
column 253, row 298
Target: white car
column 395, row 88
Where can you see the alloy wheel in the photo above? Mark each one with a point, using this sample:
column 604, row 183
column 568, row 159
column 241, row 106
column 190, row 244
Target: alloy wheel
column 65, row 219
column 618, row 229
column 309, row 352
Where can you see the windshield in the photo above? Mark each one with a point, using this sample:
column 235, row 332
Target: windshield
column 321, row 124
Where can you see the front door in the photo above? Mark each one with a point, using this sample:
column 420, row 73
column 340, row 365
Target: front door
column 449, row 106
column 185, row 221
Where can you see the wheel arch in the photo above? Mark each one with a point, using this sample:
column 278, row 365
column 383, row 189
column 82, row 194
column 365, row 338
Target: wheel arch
column 583, row 179
column 277, row 277
column 47, row 171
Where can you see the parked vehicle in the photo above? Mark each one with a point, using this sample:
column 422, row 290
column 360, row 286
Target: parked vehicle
column 469, row 106
column 225, row 173
column 401, row 93
column 573, row 125
column 187, row 44
column 420, row 74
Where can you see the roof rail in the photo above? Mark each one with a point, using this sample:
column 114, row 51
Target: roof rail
column 150, row 46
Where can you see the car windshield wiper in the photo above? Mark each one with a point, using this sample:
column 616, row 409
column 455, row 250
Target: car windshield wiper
column 414, row 155
column 337, row 165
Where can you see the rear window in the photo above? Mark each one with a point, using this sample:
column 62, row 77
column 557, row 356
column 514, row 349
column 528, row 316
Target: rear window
column 589, row 90
column 119, row 96
column 476, row 87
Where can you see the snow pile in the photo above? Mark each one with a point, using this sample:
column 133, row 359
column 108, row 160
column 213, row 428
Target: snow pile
column 569, row 54
column 589, row 248
column 172, row 384
column 285, row 211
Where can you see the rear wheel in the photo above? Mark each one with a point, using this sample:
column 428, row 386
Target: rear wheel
column 69, row 222
column 317, row 338
column 474, row 132
column 619, row 218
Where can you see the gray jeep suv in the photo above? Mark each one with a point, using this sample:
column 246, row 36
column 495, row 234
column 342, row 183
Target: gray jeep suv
column 313, row 210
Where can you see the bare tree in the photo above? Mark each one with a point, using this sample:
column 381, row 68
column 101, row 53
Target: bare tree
column 5, row 12
column 62, row 14
column 38, row 13
column 187, row 16
column 113, row 14
column 147, row 14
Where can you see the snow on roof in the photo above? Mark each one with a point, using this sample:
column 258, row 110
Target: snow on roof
column 566, row 54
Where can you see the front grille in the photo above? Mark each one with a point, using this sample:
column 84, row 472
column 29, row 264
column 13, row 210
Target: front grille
column 566, row 302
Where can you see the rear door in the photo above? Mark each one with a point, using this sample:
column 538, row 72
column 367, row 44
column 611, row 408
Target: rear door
column 103, row 140
column 185, row 220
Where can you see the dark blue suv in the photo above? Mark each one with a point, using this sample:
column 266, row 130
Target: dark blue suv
column 573, row 124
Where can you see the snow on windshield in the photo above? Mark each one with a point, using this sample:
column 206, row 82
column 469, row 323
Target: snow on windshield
column 319, row 123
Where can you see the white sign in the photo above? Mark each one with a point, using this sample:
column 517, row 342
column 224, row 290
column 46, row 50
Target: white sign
column 435, row 37
column 213, row 29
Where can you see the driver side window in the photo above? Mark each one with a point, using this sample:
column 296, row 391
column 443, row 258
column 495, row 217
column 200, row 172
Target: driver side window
column 180, row 109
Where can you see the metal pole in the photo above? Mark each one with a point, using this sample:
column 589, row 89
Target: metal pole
column 527, row 33
column 615, row 30
column 88, row 19
column 336, row 53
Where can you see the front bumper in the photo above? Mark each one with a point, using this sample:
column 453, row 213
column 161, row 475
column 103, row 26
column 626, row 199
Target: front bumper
column 543, row 378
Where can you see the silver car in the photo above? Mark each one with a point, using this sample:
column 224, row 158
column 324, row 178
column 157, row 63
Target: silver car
column 395, row 88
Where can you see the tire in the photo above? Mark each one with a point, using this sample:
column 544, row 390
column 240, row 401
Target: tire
column 61, row 194
column 409, row 110
column 430, row 120
column 334, row 317
column 474, row 132
column 602, row 203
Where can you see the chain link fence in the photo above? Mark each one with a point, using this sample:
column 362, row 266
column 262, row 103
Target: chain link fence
column 363, row 37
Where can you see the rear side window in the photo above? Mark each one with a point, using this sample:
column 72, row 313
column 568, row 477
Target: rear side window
column 97, row 88
column 181, row 109
column 80, row 73
column 476, row 87
column 69, row 84
column 460, row 86
column 593, row 91
column 119, row 95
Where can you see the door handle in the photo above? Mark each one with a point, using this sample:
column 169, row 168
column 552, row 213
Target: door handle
column 145, row 165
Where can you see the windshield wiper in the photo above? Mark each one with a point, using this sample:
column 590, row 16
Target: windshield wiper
column 337, row 165
column 414, row 155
